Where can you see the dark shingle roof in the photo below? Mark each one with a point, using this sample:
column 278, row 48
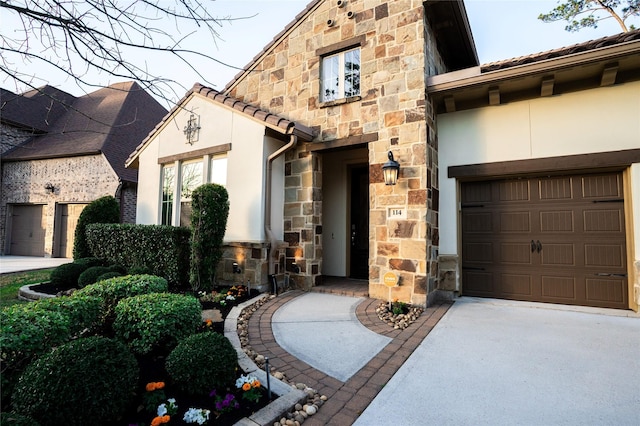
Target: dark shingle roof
column 277, row 122
column 563, row 51
column 36, row 110
column 111, row 120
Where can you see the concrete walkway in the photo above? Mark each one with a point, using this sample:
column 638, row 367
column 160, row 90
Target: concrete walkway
column 9, row 264
column 476, row 362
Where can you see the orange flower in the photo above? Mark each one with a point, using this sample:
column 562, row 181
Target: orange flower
column 166, row 419
column 209, row 322
column 157, row 421
column 151, row 386
column 256, row 383
column 246, row 386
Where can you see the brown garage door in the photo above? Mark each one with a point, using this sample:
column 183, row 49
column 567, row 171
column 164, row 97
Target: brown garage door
column 550, row 239
column 27, row 230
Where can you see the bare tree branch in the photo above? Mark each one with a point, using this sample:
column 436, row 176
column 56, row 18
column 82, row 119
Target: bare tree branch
column 79, row 38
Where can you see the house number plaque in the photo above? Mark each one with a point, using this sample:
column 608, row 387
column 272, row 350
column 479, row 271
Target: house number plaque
column 396, row 213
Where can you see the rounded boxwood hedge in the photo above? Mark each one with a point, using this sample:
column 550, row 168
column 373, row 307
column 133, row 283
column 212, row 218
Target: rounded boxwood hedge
column 112, row 290
column 90, row 275
column 84, row 382
column 66, row 276
column 25, row 334
column 108, row 275
column 203, row 362
column 156, row 320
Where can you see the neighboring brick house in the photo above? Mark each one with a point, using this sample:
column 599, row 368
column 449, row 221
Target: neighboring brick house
column 59, row 153
column 364, row 76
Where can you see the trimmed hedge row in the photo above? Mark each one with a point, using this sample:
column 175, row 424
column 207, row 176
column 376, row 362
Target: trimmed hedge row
column 165, row 250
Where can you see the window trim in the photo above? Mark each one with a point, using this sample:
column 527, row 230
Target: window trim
column 177, row 162
column 334, row 49
column 192, row 155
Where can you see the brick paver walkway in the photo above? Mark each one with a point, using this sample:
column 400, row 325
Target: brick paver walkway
column 346, row 400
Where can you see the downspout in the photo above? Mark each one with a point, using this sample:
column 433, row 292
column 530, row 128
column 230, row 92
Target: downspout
column 293, row 141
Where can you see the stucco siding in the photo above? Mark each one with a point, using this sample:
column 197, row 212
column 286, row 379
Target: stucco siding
column 245, row 164
column 590, row 121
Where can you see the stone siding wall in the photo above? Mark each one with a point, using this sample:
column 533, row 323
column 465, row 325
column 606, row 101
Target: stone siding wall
column 252, row 262
column 397, row 53
column 76, row 180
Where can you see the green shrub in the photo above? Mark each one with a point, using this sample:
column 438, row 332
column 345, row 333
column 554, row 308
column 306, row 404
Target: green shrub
column 112, row 290
column 90, row 261
column 12, row 419
column 66, row 276
column 103, row 210
column 202, row 362
column 24, row 335
column 139, row 270
column 162, row 249
column 156, row 321
column 120, row 269
column 84, row 312
column 86, row 381
column 108, row 275
column 90, row 275
column 210, row 210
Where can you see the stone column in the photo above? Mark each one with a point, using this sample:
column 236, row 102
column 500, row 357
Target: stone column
column 302, row 218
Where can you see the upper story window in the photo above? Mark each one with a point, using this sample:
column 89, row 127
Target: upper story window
column 340, row 75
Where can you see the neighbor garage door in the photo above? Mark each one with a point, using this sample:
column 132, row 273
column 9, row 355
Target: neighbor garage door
column 27, row 230
column 548, row 239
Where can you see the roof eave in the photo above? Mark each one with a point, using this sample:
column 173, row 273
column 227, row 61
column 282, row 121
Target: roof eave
column 457, row 80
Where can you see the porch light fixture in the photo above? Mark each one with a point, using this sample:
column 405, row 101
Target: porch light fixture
column 50, row 188
column 236, row 268
column 390, row 170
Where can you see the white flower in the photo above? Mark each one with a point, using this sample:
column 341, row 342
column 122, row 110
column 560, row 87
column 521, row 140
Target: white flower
column 196, row 415
column 245, row 379
column 230, row 297
column 162, row 410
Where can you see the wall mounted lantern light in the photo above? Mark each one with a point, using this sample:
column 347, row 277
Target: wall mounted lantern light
column 390, row 170
column 236, row 268
column 50, row 188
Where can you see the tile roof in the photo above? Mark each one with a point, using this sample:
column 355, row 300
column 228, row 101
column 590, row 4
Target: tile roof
column 563, row 51
column 274, row 121
column 111, row 121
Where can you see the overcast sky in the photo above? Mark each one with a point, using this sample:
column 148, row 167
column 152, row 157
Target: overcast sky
column 501, row 29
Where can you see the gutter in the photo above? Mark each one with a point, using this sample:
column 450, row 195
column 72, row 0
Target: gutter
column 273, row 241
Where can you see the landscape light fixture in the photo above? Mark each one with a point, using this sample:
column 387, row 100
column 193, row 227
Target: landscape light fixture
column 390, row 170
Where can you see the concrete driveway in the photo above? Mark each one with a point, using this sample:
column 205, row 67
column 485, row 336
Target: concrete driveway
column 492, row 362
column 9, row 264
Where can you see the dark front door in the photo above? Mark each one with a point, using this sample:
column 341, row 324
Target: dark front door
column 359, row 222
